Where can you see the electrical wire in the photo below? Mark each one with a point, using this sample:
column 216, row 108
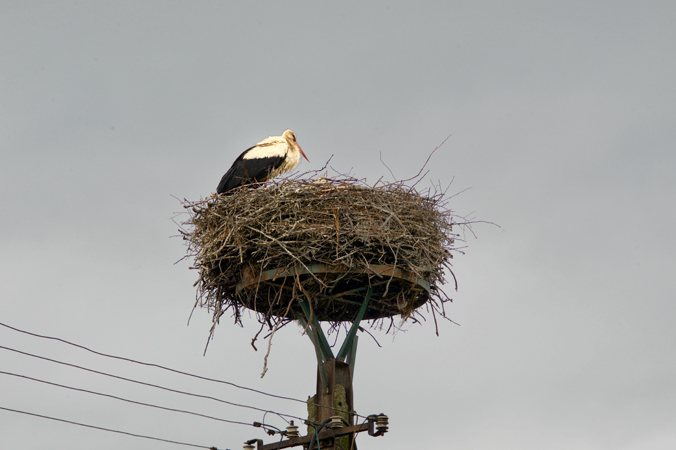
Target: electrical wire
column 96, row 427
column 240, row 405
column 354, row 436
column 148, row 364
column 315, row 436
column 26, row 377
column 169, row 369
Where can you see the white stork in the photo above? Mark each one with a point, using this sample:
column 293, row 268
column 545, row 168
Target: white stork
column 270, row 157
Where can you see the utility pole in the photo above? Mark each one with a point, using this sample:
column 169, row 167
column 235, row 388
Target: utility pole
column 331, row 415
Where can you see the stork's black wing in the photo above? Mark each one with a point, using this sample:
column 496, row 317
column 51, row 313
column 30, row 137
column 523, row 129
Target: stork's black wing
column 247, row 171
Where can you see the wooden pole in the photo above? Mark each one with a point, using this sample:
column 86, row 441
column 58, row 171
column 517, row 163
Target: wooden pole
column 333, row 398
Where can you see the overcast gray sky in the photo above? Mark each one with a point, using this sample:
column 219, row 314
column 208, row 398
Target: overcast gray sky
column 562, row 118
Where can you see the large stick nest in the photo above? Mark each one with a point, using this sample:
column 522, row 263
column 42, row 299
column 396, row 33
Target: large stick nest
column 324, row 241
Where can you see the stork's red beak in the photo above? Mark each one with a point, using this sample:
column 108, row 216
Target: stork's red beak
column 302, row 153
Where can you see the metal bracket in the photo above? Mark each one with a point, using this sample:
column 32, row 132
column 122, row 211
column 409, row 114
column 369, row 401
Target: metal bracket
column 323, row 352
column 315, row 332
column 349, row 344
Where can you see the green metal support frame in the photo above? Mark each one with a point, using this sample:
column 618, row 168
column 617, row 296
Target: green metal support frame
column 350, row 342
column 323, row 352
column 315, row 332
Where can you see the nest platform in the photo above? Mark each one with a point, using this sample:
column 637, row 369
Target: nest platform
column 327, row 241
column 337, row 291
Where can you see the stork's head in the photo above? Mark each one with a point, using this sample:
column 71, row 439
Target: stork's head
column 290, row 137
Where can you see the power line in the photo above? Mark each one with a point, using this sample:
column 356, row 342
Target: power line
column 122, row 358
column 96, row 427
column 159, row 366
column 18, row 375
column 152, row 385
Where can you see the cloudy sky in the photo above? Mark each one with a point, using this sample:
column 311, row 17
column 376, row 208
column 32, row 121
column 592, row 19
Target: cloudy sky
column 562, row 118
